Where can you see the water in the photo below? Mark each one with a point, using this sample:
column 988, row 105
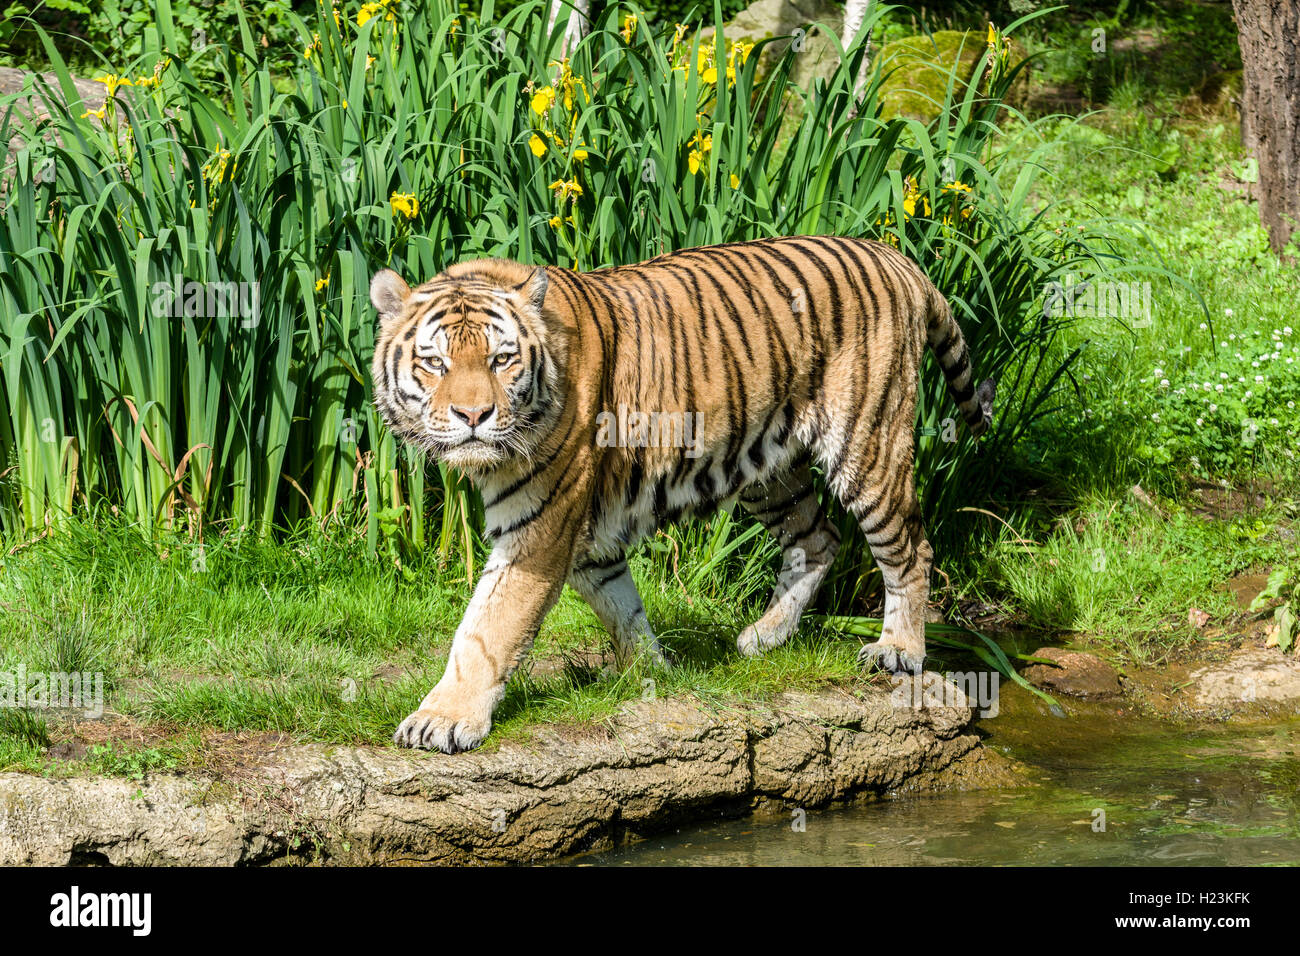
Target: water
column 1171, row 795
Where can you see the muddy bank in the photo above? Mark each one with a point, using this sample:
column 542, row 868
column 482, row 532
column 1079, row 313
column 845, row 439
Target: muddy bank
column 1239, row 679
column 657, row 764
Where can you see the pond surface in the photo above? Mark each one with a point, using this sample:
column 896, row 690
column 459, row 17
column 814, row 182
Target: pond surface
column 1171, row 795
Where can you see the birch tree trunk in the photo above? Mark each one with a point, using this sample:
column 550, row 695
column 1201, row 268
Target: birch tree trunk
column 579, row 22
column 855, row 14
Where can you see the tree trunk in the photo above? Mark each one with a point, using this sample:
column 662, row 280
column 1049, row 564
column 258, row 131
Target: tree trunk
column 579, row 22
column 855, row 12
column 1269, row 34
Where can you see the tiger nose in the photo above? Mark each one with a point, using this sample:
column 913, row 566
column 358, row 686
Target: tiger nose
column 472, row 416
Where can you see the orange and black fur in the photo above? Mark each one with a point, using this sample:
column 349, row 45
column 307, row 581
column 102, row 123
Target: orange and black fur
column 592, row 408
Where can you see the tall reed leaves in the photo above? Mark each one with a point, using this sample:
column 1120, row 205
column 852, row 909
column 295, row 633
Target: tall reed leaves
column 185, row 334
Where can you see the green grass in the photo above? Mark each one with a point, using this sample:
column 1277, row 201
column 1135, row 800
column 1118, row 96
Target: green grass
column 1138, row 410
column 1177, row 184
column 1123, row 577
column 313, row 638
column 24, row 737
column 333, row 632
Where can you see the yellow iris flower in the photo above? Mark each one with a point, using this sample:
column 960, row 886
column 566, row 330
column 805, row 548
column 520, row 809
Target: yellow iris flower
column 404, row 203
column 543, row 100
column 112, row 82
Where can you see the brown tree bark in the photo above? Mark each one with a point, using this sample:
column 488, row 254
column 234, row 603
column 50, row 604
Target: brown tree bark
column 1269, row 34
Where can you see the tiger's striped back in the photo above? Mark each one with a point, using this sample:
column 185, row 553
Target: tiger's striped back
column 763, row 342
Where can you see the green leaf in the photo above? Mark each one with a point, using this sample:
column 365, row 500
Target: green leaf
column 1286, row 627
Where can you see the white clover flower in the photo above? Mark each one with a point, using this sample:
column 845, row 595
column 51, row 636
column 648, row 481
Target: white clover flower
column 1218, row 388
column 1204, row 326
column 1164, row 383
column 1227, row 312
column 1259, row 379
column 1223, row 375
column 1213, row 407
column 1286, row 330
column 1248, row 394
column 1155, row 417
column 1272, row 421
column 1200, row 422
column 1290, row 404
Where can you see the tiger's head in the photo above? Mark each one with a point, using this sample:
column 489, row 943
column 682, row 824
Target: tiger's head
column 466, row 365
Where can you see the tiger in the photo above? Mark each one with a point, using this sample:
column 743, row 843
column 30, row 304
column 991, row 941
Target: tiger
column 589, row 409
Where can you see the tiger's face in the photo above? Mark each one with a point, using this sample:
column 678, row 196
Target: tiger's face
column 464, row 367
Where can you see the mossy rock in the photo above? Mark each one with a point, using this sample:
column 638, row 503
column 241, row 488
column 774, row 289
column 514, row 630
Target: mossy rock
column 917, row 70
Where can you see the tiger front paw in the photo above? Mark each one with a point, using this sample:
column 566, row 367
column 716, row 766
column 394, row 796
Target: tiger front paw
column 446, row 725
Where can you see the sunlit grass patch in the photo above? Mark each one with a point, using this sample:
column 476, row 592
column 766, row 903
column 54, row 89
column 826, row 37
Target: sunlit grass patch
column 1124, row 575
column 311, row 638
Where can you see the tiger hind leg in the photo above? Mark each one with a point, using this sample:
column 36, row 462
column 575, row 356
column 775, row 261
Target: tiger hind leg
column 608, row 587
column 787, row 506
column 890, row 518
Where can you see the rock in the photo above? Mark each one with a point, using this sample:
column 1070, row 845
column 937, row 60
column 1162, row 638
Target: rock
column 15, row 81
column 657, row 764
column 917, row 70
column 920, row 64
column 1251, row 676
column 817, row 56
column 34, row 104
column 1074, row 673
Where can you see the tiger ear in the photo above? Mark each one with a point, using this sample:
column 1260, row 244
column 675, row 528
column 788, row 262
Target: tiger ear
column 388, row 292
column 535, row 288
